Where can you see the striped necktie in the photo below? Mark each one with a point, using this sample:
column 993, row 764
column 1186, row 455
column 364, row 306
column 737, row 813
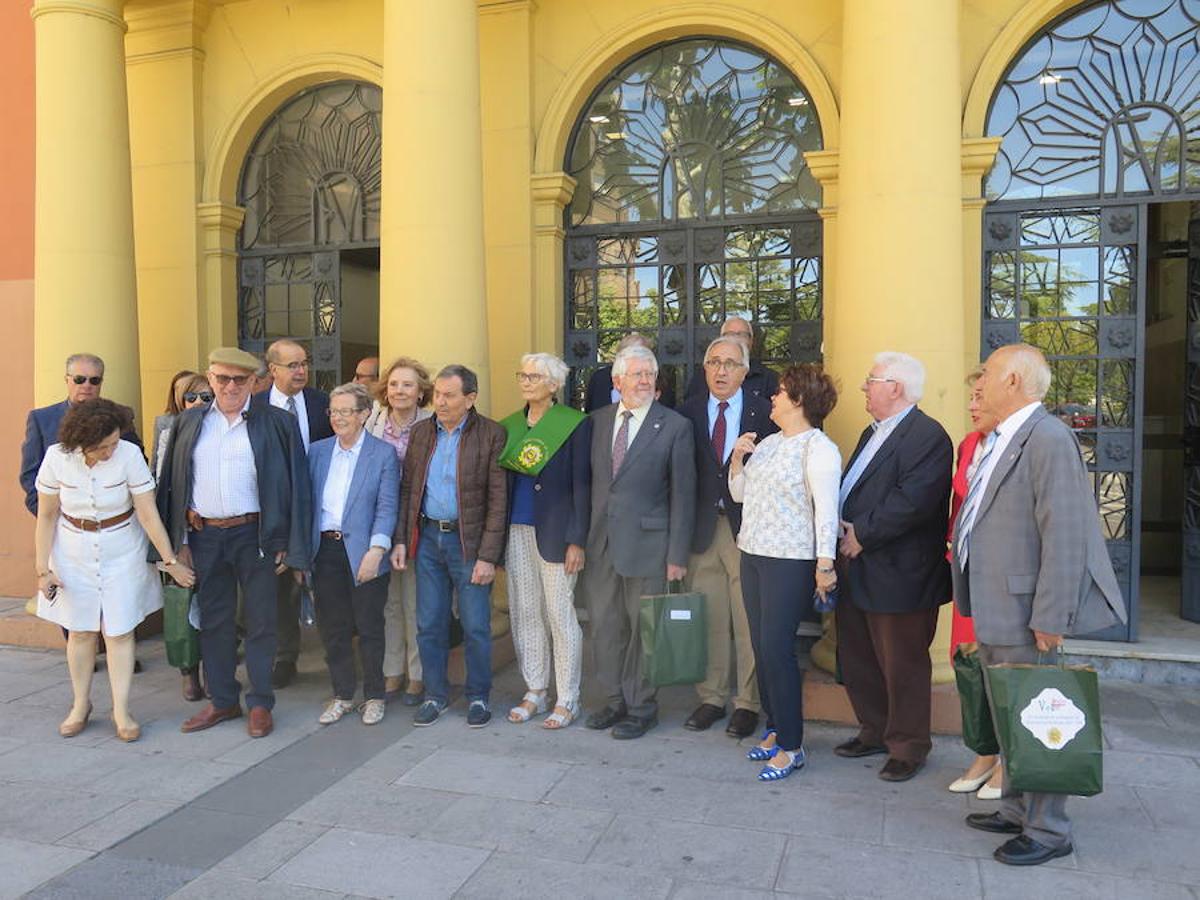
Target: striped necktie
column 974, row 495
column 622, row 443
column 291, row 407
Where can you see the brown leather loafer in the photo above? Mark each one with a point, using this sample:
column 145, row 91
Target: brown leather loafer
column 854, row 748
column 208, row 717
column 192, row 691
column 704, row 716
column 259, row 724
column 742, row 724
column 900, row 769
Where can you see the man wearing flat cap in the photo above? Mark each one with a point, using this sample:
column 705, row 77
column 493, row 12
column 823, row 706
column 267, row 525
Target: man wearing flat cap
column 234, row 495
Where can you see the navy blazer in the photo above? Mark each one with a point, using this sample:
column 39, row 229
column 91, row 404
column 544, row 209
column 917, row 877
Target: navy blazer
column 41, row 430
column 760, row 382
column 372, row 503
column 600, row 386
column 562, row 501
column 712, row 474
column 316, row 404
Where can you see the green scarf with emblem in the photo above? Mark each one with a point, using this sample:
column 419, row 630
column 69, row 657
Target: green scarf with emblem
column 527, row 450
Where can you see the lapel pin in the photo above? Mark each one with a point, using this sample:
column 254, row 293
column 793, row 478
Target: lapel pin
column 658, row 424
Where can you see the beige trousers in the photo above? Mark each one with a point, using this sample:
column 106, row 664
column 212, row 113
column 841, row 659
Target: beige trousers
column 717, row 573
column 400, row 655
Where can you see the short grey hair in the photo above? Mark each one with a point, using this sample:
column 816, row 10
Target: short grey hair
column 635, row 339
column 749, row 324
column 905, row 370
column 631, row 353
column 90, row 358
column 1028, row 364
column 362, row 398
column 730, row 341
column 550, row 366
column 470, row 381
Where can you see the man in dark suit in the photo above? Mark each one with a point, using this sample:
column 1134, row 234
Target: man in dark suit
column 643, row 506
column 759, row 382
column 719, row 415
column 1030, row 565
column 85, row 375
column 288, row 365
column 894, row 508
column 602, row 393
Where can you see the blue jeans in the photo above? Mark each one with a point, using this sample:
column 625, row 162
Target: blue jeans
column 441, row 572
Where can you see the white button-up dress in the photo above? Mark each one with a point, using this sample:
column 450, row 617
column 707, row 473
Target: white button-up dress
column 106, row 581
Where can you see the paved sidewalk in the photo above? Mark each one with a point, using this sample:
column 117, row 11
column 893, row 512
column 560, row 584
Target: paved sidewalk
column 514, row 811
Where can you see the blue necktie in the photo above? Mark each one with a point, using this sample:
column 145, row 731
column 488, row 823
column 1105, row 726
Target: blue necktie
column 974, row 495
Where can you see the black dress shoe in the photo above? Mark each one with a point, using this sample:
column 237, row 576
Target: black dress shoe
column 854, row 748
column 283, row 674
column 605, row 718
column 993, row 822
column 1025, row 851
column 703, row 717
column 900, row 770
column 742, row 724
column 137, row 667
column 632, row 727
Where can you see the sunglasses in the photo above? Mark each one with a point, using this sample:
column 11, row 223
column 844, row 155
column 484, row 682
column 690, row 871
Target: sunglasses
column 93, row 380
column 193, row 396
column 223, row 380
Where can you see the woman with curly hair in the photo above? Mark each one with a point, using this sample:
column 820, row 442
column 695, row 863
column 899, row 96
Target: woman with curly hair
column 95, row 511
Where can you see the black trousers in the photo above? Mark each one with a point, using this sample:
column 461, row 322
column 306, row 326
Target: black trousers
column 778, row 596
column 226, row 558
column 342, row 608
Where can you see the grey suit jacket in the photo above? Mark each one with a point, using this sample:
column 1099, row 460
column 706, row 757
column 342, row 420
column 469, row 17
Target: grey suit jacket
column 642, row 519
column 1037, row 559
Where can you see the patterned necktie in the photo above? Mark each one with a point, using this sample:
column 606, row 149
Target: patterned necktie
column 622, row 443
column 718, row 432
column 974, row 494
column 291, row 407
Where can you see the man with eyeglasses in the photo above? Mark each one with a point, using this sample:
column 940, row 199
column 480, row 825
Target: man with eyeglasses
column 718, row 416
column 234, row 495
column 85, row 375
column 759, row 381
column 643, row 507
column 366, row 372
column 288, row 364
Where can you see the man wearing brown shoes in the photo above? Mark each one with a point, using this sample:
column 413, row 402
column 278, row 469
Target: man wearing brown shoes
column 234, row 495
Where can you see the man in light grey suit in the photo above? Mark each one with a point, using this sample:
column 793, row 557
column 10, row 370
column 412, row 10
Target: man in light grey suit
column 1029, row 564
column 643, row 507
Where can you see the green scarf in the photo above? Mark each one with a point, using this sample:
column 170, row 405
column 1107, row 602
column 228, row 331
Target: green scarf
column 527, row 450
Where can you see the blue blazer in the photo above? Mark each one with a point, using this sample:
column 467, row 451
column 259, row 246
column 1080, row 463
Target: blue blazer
column 41, row 430
column 562, row 496
column 372, row 504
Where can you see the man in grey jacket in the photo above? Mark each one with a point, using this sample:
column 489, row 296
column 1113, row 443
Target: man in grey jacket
column 1029, row 564
column 643, row 507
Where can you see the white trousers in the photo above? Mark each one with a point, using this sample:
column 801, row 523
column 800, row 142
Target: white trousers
column 400, row 654
column 541, row 601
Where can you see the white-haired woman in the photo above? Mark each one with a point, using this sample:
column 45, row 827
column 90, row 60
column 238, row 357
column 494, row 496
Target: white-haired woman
column 549, row 506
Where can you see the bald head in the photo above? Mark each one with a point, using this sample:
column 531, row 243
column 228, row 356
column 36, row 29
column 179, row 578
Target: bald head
column 288, row 364
column 1013, row 376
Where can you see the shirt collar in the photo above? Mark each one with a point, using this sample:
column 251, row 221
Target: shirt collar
column 353, row 451
column 457, row 428
column 639, row 414
column 893, row 420
column 734, row 402
column 1009, row 426
column 279, row 398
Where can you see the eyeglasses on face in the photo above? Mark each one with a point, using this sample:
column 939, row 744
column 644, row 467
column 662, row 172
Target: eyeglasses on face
column 725, row 365
column 875, row 379
column 643, row 375
column 239, row 380
column 293, row 366
column 530, row 377
column 193, row 396
column 93, row 380
column 364, row 376
column 343, row 413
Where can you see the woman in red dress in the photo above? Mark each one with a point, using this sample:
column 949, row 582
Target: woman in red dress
column 984, row 773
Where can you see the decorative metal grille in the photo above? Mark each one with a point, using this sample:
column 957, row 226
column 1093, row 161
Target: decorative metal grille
column 1106, row 102
column 694, row 203
column 311, row 187
column 1190, row 606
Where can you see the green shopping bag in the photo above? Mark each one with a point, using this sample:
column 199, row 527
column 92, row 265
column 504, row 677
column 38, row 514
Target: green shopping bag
column 182, row 640
column 674, row 637
column 1048, row 723
column 978, row 732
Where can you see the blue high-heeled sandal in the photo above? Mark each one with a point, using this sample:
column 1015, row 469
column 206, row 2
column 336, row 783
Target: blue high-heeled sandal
column 771, row 773
column 761, row 754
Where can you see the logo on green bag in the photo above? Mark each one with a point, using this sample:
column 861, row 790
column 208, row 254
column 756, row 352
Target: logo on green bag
column 1053, row 718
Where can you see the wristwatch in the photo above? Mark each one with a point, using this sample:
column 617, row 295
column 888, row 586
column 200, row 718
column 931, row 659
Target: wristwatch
column 825, row 570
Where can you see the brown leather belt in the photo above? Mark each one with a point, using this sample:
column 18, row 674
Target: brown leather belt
column 196, row 522
column 332, row 535
column 98, row 525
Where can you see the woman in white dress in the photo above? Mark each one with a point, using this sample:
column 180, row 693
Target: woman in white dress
column 95, row 510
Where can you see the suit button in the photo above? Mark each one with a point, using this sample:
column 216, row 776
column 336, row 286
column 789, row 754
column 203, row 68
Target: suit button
column 537, row 487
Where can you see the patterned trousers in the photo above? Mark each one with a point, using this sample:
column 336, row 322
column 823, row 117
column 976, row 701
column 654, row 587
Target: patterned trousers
column 541, row 600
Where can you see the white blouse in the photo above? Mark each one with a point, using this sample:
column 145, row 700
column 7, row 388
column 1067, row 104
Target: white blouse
column 779, row 519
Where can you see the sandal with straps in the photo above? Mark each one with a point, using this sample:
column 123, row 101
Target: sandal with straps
column 556, row 720
column 774, row 773
column 762, row 754
column 522, row 713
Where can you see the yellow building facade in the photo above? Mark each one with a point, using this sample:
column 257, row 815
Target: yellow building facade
column 455, row 242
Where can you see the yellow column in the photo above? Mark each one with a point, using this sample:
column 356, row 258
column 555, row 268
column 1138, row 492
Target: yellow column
column 899, row 271
column 84, row 293
column 432, row 299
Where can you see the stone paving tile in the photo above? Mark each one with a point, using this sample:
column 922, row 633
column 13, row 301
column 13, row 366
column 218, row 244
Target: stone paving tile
column 1171, row 809
column 477, row 773
column 1180, row 711
column 637, row 792
column 691, row 890
column 827, row 868
column 511, row 877
column 155, row 777
column 1002, row 881
column 392, row 762
column 8, row 744
column 16, row 686
column 40, row 724
column 19, row 661
column 690, row 851
column 106, row 877
column 919, row 828
column 378, row 865
column 23, row 865
column 36, row 812
column 368, row 805
column 1180, row 739
column 1140, row 767
column 1162, row 855
column 220, row 885
column 63, row 764
column 796, row 806
column 118, row 825
column 192, row 837
column 535, row 830
column 265, row 791
column 271, row 849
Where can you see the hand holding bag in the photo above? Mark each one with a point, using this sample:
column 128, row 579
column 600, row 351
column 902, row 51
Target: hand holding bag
column 674, row 637
column 182, row 640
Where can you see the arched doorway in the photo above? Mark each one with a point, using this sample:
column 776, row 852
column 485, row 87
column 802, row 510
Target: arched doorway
column 693, row 203
column 1092, row 252
column 309, row 247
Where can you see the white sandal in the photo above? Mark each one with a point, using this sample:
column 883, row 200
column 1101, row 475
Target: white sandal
column 519, row 714
column 556, row 720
